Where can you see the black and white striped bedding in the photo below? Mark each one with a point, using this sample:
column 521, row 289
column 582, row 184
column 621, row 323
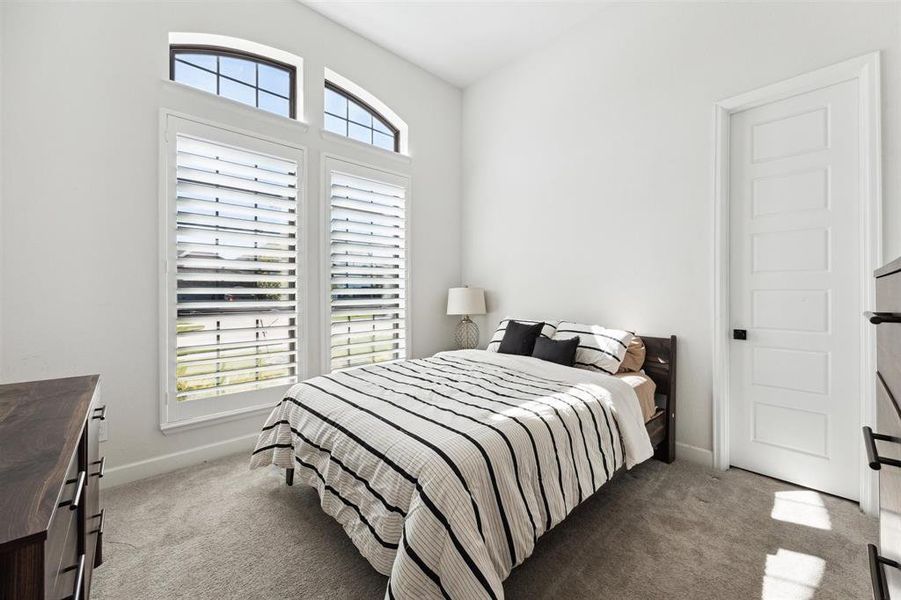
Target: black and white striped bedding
column 445, row 471
column 600, row 349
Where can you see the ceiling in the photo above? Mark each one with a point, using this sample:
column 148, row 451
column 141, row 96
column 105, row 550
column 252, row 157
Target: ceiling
column 458, row 41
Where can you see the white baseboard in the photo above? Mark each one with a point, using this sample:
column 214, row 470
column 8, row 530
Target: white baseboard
column 701, row 456
column 158, row 465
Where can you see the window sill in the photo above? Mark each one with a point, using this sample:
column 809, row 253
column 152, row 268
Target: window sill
column 340, row 139
column 228, row 102
column 206, row 420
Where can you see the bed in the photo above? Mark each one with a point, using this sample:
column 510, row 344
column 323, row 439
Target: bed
column 445, row 471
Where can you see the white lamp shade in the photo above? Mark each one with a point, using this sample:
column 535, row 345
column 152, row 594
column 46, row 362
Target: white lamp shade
column 466, row 301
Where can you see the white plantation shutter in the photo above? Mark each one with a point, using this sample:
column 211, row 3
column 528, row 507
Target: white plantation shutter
column 235, row 274
column 368, row 269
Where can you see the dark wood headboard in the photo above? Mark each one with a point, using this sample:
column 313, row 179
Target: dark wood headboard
column 660, row 366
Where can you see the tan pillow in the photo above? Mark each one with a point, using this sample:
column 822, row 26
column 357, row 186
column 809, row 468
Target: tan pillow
column 644, row 388
column 634, row 359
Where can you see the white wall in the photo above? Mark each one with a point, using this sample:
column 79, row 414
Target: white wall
column 2, row 11
column 83, row 86
column 588, row 166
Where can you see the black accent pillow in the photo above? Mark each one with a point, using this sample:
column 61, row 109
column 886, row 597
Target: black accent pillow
column 562, row 352
column 520, row 338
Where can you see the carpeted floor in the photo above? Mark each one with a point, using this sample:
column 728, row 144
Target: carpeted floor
column 673, row 532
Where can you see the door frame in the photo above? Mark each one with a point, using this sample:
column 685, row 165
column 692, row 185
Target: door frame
column 866, row 70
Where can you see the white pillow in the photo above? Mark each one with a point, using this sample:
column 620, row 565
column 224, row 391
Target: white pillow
column 600, row 349
column 547, row 331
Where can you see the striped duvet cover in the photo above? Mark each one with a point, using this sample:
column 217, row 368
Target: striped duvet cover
column 445, row 471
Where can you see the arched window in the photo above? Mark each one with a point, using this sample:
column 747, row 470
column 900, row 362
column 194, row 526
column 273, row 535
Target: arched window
column 348, row 115
column 248, row 78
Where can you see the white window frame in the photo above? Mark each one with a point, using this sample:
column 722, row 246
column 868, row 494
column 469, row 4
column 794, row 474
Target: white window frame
column 328, row 163
column 203, row 411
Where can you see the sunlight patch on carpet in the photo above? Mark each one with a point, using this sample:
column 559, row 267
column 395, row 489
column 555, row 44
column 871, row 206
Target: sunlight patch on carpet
column 802, row 507
column 792, row 575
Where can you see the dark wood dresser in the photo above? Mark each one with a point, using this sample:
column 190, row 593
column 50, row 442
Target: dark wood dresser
column 51, row 520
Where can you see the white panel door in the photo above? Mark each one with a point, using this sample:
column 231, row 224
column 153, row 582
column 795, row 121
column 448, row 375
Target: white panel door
column 795, row 227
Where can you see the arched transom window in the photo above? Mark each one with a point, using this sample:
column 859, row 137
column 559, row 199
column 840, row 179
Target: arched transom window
column 348, row 115
column 247, row 78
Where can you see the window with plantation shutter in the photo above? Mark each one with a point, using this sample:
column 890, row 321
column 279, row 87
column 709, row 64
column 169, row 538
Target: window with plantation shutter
column 367, row 265
column 233, row 271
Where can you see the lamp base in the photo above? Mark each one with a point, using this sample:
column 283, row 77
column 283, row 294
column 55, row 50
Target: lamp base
column 467, row 334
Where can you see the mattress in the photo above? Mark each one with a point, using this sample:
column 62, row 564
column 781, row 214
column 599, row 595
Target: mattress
column 645, row 388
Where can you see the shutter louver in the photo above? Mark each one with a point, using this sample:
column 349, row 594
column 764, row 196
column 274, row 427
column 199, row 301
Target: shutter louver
column 236, row 270
column 368, row 271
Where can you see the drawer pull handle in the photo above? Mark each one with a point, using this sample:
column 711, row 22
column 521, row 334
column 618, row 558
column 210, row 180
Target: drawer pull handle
column 877, row 573
column 79, row 486
column 882, row 317
column 100, row 526
column 869, row 441
column 102, row 463
column 79, row 579
column 102, row 411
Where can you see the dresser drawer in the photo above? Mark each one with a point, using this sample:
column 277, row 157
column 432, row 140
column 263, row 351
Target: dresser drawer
column 64, row 519
column 96, row 462
column 888, row 334
column 71, row 571
column 888, row 293
column 62, row 544
column 93, row 508
column 888, row 355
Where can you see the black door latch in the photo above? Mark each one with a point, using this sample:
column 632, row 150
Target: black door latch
column 739, row 334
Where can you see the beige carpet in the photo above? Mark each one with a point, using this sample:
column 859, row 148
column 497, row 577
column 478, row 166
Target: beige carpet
column 674, row 532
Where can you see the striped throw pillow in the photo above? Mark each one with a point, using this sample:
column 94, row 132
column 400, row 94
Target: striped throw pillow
column 546, row 332
column 600, row 349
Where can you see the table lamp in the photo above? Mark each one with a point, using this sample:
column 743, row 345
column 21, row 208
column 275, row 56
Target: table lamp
column 466, row 301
